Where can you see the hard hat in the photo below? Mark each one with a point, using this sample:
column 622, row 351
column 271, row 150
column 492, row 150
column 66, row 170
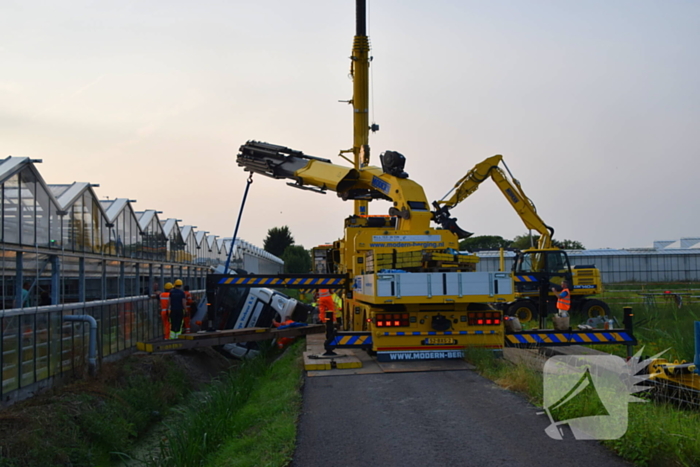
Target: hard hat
column 178, row 283
column 168, row 286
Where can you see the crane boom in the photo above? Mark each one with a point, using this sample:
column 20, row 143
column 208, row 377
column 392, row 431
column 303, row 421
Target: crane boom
column 410, row 205
column 511, row 189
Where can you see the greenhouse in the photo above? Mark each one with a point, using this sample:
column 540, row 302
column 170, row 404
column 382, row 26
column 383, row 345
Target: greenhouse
column 67, row 253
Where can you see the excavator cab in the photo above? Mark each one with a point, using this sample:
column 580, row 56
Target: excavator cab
column 533, row 268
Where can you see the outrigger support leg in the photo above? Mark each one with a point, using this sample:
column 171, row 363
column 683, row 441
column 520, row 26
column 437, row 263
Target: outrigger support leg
column 330, row 335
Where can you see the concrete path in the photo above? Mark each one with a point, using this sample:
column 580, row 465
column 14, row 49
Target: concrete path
column 436, row 418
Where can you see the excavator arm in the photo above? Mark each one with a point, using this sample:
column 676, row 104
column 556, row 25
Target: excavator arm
column 510, row 188
column 390, row 182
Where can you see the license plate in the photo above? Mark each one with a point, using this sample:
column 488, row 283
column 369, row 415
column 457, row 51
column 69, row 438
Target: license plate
column 439, row 341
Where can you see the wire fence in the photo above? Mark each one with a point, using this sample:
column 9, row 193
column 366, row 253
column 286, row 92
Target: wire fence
column 38, row 345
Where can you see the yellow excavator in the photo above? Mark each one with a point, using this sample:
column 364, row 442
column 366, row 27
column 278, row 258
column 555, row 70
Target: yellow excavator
column 535, row 270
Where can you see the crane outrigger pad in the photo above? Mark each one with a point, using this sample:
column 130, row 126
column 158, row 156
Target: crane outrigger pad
column 230, row 336
column 290, row 281
column 552, row 338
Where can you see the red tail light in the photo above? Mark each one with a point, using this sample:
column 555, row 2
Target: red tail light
column 391, row 320
column 484, row 318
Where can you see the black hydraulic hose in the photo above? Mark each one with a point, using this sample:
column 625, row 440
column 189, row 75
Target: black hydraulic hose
column 238, row 222
column 360, row 18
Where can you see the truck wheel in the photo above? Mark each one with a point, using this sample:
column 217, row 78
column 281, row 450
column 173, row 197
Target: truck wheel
column 595, row 308
column 524, row 311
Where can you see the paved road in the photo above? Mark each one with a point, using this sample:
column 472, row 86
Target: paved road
column 446, row 418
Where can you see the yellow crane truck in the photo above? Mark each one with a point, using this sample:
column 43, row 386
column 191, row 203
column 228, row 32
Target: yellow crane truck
column 408, row 293
column 411, row 294
column 535, row 270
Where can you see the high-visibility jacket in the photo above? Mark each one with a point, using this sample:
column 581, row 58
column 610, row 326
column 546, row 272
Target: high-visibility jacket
column 188, row 311
column 325, row 303
column 165, row 313
column 564, row 300
column 338, row 305
column 164, row 301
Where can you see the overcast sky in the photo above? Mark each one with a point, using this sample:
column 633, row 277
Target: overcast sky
column 594, row 106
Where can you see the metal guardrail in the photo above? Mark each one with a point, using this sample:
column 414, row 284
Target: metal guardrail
column 37, row 344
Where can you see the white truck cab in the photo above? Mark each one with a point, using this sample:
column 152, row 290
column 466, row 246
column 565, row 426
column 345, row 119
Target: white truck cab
column 250, row 307
column 258, row 309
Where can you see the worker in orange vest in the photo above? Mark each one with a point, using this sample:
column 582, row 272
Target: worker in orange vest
column 165, row 310
column 563, row 299
column 188, row 309
column 325, row 304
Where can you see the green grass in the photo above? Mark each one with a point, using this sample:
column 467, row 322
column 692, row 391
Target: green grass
column 619, row 295
column 660, row 435
column 266, row 426
column 518, row 378
column 247, row 418
column 91, row 422
column 667, row 327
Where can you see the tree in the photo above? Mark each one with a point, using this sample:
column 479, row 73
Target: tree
column 277, row 240
column 296, row 260
column 522, row 242
column 484, row 242
column 569, row 244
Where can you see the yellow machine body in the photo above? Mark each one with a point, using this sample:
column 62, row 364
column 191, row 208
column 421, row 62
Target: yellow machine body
column 410, row 288
column 585, row 280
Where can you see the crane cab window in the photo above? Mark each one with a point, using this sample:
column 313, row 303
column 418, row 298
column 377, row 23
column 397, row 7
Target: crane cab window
column 542, row 261
column 524, row 264
column 557, row 262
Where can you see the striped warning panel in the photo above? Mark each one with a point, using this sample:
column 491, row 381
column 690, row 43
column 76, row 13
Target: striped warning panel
column 352, row 340
column 525, row 278
column 333, row 291
column 554, row 338
column 435, row 333
column 282, row 281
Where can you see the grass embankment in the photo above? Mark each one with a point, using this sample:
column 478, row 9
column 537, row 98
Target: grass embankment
column 87, row 423
column 247, row 418
column 657, row 434
column 662, row 324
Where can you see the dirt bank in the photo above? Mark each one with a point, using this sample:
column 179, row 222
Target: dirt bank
column 82, row 422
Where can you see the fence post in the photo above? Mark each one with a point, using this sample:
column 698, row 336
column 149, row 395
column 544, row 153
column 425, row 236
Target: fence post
column 629, row 327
